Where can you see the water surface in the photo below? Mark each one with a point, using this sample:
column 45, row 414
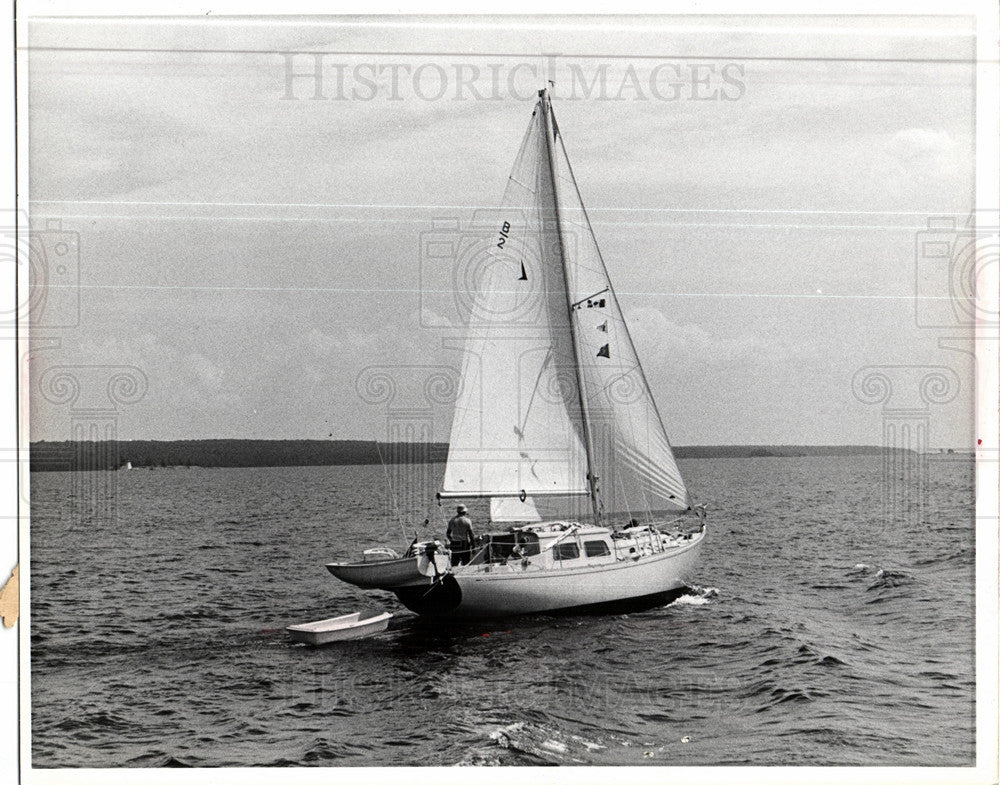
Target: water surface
column 818, row 631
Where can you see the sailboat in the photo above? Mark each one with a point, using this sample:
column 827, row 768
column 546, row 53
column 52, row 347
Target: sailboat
column 555, row 427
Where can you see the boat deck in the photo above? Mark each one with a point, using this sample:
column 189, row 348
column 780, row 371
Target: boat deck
column 566, row 545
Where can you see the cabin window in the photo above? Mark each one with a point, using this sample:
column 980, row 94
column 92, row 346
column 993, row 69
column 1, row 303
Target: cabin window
column 596, row 548
column 566, row 550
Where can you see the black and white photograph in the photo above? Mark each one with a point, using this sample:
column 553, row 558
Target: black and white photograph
column 503, row 386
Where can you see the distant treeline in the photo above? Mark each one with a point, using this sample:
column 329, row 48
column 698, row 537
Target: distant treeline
column 69, row 456
column 778, row 450
column 72, row 456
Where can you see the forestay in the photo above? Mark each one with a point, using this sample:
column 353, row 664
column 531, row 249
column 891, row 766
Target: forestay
column 632, row 455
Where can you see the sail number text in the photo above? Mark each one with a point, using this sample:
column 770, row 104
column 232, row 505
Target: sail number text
column 504, row 234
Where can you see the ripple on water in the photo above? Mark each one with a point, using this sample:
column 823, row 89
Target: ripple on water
column 849, row 642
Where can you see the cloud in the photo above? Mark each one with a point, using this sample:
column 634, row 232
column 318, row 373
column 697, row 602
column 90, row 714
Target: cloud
column 323, row 344
column 429, row 318
column 207, row 374
column 185, row 387
column 923, row 149
column 279, row 305
column 660, row 341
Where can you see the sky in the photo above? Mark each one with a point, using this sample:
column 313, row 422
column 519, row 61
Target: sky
column 254, row 250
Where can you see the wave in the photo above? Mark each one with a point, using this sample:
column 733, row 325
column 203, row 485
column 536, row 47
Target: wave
column 807, row 654
column 696, row 595
column 159, row 760
column 881, row 577
column 322, row 750
column 780, row 695
column 964, row 555
column 523, row 743
column 855, row 677
column 889, row 579
column 100, row 719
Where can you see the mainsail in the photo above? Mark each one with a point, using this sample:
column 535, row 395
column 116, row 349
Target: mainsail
column 517, row 418
column 553, row 398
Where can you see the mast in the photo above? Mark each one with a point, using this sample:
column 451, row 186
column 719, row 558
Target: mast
column 587, row 439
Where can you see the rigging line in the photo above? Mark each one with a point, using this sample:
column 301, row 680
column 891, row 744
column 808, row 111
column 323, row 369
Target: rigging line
column 621, row 490
column 346, row 290
column 402, row 220
column 534, row 390
column 392, row 492
column 618, row 378
column 561, row 55
column 458, row 207
column 485, row 24
column 617, row 305
column 589, row 297
column 488, row 207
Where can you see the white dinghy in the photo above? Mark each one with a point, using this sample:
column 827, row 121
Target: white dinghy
column 340, row 628
column 555, row 426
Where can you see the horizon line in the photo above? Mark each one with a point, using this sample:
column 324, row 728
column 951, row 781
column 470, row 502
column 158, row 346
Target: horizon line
column 400, row 441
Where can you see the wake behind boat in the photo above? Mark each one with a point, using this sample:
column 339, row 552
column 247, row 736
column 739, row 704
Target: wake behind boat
column 554, row 425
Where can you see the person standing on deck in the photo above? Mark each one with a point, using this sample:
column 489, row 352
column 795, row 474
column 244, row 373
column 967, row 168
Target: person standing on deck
column 460, row 536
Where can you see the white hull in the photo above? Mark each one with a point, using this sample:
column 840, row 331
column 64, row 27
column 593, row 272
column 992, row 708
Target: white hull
column 528, row 413
column 468, row 592
column 379, row 575
column 384, row 569
column 341, row 628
